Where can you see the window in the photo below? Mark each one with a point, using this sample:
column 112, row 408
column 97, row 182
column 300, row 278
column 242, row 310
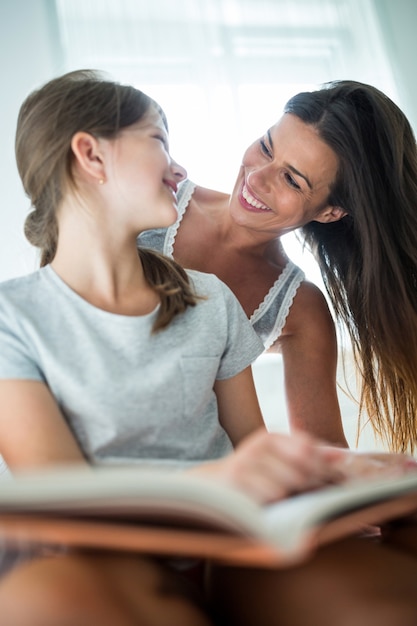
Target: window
column 223, row 69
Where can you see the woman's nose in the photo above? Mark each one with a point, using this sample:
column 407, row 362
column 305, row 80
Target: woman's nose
column 260, row 178
column 180, row 172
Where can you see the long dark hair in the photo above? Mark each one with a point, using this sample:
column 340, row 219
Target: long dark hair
column 368, row 259
column 48, row 119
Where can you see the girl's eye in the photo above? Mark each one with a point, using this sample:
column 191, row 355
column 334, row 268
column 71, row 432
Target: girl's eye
column 290, row 180
column 265, row 148
column 162, row 140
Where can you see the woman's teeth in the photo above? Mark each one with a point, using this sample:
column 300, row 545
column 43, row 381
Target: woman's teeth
column 252, row 201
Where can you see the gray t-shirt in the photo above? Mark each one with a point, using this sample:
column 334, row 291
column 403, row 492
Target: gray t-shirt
column 127, row 394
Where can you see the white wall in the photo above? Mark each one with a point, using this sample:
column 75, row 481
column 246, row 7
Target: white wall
column 30, row 55
column 398, row 21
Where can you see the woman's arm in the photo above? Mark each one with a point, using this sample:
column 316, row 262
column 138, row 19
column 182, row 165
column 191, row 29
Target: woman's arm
column 309, row 350
column 33, row 431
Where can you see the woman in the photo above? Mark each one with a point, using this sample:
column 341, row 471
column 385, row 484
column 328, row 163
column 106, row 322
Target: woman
column 369, row 258
column 341, row 165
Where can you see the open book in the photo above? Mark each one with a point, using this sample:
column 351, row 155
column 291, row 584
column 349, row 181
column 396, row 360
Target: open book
column 181, row 515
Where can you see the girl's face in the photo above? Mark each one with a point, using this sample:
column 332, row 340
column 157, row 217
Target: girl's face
column 141, row 177
column 285, row 179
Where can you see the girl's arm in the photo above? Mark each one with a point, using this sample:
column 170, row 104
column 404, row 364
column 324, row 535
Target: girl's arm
column 33, row 431
column 239, row 410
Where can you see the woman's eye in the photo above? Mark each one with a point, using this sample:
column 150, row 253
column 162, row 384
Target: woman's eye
column 290, row 180
column 265, row 148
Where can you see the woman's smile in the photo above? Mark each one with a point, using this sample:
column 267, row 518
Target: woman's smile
column 250, row 201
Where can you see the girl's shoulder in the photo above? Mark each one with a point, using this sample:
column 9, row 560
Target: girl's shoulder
column 212, row 290
column 205, row 283
column 23, row 297
column 15, row 288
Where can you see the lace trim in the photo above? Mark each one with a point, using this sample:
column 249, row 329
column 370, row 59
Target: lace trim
column 272, row 293
column 285, row 308
column 185, row 193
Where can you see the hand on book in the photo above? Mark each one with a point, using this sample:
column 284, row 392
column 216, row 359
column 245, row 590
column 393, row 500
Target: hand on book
column 353, row 465
column 272, row 466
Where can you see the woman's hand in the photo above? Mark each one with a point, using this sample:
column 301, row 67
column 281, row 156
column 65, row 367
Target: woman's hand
column 271, row 466
column 353, row 465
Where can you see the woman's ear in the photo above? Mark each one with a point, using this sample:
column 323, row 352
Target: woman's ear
column 330, row 214
column 88, row 155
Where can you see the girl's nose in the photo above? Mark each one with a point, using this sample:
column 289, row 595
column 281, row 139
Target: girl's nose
column 180, row 173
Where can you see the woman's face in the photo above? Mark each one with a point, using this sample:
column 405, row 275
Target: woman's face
column 285, row 179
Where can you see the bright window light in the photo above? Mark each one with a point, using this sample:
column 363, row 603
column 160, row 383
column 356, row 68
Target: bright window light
column 223, row 69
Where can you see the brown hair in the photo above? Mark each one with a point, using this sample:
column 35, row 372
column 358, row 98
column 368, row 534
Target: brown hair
column 369, row 258
column 48, row 119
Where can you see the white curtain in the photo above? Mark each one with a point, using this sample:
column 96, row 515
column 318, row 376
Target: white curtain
column 222, row 69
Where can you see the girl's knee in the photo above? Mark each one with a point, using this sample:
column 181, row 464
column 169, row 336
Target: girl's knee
column 80, row 590
column 60, row 591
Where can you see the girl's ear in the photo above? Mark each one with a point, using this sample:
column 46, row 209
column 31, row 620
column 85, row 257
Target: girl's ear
column 330, row 214
column 88, row 155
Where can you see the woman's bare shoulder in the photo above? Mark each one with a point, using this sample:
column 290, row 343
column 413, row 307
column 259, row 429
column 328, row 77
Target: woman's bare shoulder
column 309, row 307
